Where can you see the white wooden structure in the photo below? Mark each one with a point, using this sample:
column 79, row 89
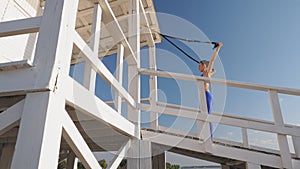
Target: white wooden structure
column 46, row 116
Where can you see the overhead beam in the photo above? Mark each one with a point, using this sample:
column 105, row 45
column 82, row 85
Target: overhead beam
column 117, row 33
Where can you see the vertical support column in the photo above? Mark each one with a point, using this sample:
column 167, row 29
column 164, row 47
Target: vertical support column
column 55, row 42
column 252, row 166
column 133, row 75
column 245, row 138
column 296, row 143
column 40, row 132
column 282, row 139
column 153, row 87
column 158, row 157
column 71, row 161
column 7, row 155
column 139, row 155
column 134, row 161
column 119, row 77
column 205, row 132
column 89, row 74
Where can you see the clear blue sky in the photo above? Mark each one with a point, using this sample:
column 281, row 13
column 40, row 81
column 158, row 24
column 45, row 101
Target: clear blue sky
column 261, row 45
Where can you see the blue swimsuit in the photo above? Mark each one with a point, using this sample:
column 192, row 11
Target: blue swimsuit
column 209, row 102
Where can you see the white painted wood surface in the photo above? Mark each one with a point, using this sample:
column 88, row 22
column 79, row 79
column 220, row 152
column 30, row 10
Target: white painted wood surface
column 218, row 150
column 89, row 74
column 40, row 132
column 119, row 156
column 153, row 87
column 92, row 106
column 282, row 138
column 252, row 166
column 101, row 69
column 77, row 143
column 10, row 117
column 119, row 77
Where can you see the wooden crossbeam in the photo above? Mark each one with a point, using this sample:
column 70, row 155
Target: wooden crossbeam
column 115, row 162
column 88, row 103
column 77, row 143
column 101, row 69
column 10, row 117
column 22, row 26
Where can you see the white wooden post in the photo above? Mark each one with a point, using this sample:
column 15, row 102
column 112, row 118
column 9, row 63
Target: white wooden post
column 89, row 74
column 55, row 41
column 296, row 143
column 153, row 87
column 133, row 76
column 282, row 139
column 40, row 132
column 145, row 154
column 119, row 77
column 134, row 80
column 7, row 154
column 250, row 165
column 205, row 134
column 245, row 138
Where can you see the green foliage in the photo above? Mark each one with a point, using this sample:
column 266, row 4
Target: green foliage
column 103, row 164
column 172, row 166
column 80, row 165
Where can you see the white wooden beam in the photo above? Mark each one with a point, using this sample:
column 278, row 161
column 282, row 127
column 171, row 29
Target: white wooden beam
column 282, row 138
column 245, row 138
column 15, row 65
column 115, row 162
column 153, row 87
column 146, row 30
column 54, row 45
column 117, row 33
column 250, row 165
column 89, row 74
column 22, row 26
column 39, row 132
column 218, row 150
column 133, row 75
column 222, row 119
column 10, row 117
column 92, row 106
column 77, row 143
column 101, row 69
column 296, row 143
column 119, row 77
column 221, row 82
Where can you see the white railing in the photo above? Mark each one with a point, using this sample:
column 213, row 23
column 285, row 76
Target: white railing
column 278, row 127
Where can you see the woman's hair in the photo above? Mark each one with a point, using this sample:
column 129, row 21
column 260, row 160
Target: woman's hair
column 206, row 62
